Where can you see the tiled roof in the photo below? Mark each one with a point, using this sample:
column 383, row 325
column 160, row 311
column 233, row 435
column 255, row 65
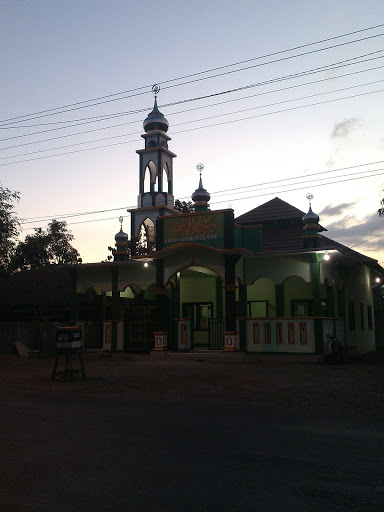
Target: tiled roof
column 275, row 209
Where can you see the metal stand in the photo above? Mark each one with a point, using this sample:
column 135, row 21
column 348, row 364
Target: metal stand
column 68, row 362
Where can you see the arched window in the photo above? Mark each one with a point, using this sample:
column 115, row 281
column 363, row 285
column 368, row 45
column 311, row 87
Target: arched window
column 146, row 237
column 166, row 178
column 149, row 176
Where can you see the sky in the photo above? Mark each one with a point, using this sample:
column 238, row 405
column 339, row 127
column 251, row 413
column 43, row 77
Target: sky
column 274, row 98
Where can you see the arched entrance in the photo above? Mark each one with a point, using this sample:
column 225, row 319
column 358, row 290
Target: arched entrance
column 201, row 306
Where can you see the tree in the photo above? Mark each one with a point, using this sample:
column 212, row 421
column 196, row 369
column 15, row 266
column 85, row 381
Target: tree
column 9, row 226
column 380, row 211
column 46, row 247
column 184, row 207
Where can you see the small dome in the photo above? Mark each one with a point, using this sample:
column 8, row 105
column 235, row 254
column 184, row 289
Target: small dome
column 121, row 235
column 310, row 217
column 155, row 120
column 201, row 195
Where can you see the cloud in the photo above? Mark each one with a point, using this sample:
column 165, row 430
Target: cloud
column 343, row 129
column 351, row 231
column 335, row 209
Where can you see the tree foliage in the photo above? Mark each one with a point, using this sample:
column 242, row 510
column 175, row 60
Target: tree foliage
column 380, row 211
column 51, row 246
column 9, row 226
column 184, row 206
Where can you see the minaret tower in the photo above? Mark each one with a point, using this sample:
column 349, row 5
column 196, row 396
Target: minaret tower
column 201, row 197
column 311, row 227
column 155, row 177
column 121, row 253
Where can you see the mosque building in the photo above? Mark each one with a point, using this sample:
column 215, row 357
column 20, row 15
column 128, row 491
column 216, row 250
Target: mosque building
column 267, row 281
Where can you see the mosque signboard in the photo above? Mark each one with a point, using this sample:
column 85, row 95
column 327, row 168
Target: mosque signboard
column 206, row 228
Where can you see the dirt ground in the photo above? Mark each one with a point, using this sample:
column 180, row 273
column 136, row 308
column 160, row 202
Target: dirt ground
column 355, row 388
column 164, row 434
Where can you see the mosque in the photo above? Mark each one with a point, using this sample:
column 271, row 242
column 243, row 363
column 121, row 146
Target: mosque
column 267, row 281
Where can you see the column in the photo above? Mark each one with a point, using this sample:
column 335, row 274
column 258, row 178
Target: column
column 243, row 313
column 231, row 336
column 162, row 316
column 115, row 306
column 279, row 291
column 316, row 302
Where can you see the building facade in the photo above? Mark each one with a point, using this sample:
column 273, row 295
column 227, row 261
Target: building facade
column 267, row 281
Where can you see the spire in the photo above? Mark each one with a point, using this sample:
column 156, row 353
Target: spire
column 311, row 227
column 200, row 196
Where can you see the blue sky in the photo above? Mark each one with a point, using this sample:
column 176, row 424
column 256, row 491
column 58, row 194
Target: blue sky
column 54, row 54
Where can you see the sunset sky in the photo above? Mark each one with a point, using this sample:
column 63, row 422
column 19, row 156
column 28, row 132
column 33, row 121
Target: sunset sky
column 265, row 94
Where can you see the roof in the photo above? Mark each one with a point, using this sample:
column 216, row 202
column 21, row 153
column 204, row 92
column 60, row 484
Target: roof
column 283, row 232
column 275, row 209
column 327, row 243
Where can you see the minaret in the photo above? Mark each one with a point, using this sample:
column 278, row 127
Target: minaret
column 311, row 227
column 156, row 162
column 121, row 253
column 200, row 196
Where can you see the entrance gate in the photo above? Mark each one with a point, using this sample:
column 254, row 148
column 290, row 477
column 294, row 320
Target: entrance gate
column 139, row 324
column 216, row 333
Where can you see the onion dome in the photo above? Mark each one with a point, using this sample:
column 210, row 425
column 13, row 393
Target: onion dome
column 201, row 195
column 155, row 120
column 121, row 236
column 310, row 217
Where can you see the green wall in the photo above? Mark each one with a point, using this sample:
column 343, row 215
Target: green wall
column 198, row 289
column 295, row 288
column 263, row 289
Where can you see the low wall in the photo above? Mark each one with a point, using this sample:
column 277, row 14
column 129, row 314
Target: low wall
column 295, row 335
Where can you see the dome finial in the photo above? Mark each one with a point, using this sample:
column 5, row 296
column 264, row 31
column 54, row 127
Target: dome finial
column 156, row 89
column 121, row 235
column 310, row 217
column 309, row 197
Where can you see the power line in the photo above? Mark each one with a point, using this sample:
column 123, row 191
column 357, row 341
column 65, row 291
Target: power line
column 277, row 111
column 187, row 122
column 112, row 97
column 300, row 188
column 198, row 127
column 327, row 67
column 191, row 109
column 249, row 197
column 274, row 182
column 367, row 240
column 247, row 187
